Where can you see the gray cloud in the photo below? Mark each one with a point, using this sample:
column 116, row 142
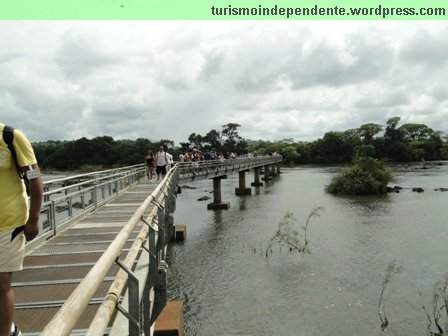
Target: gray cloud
column 65, row 80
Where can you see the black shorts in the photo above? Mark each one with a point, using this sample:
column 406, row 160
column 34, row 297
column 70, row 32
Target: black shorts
column 161, row 169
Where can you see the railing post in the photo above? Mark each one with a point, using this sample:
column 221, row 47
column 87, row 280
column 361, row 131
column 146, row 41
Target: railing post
column 133, row 313
column 161, row 237
column 53, row 217
column 95, row 197
column 160, row 290
column 70, row 207
column 148, row 307
column 83, row 201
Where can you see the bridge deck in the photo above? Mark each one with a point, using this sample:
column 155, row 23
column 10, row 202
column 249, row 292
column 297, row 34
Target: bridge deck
column 52, row 272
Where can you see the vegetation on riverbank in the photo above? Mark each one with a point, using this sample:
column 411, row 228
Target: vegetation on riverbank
column 405, row 143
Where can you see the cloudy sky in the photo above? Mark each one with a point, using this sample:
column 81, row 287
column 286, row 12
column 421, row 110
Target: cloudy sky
column 278, row 79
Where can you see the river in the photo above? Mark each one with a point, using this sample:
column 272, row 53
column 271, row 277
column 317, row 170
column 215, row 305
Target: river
column 230, row 288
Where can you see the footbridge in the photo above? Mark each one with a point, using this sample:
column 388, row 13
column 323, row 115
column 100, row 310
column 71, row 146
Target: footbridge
column 98, row 265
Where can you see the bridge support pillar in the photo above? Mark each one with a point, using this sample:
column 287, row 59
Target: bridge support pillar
column 218, row 204
column 180, row 232
column 171, row 320
column 242, row 190
column 267, row 173
column 273, row 171
column 278, row 168
column 257, row 182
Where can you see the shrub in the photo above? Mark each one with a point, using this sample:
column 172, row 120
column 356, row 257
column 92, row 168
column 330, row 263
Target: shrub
column 368, row 176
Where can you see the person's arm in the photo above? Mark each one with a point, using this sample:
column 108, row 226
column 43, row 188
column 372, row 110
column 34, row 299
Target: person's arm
column 36, row 195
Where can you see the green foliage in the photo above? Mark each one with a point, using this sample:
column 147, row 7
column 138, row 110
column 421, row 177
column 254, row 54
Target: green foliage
column 291, row 152
column 335, row 147
column 100, row 151
column 368, row 131
column 417, row 132
column 409, row 142
column 368, row 176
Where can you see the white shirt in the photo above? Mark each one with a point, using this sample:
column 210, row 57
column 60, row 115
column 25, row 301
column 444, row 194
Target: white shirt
column 161, row 158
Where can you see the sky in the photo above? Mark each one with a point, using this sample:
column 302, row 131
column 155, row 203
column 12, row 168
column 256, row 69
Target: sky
column 63, row 80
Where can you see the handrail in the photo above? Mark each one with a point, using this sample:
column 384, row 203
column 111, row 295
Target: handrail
column 65, row 319
column 106, row 171
column 111, row 300
column 59, row 212
column 162, row 197
column 215, row 168
column 71, row 186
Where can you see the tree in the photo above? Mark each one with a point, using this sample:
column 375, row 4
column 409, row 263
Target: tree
column 213, row 139
column 230, row 132
column 368, row 131
column 395, row 147
column 196, row 140
column 391, row 132
column 104, row 151
column 184, row 146
column 416, row 132
column 168, row 144
column 335, row 147
column 241, row 147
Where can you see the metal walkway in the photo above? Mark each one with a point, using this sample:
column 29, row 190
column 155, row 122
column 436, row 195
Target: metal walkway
column 102, row 246
column 53, row 271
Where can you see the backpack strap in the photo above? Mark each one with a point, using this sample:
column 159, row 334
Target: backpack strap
column 8, row 138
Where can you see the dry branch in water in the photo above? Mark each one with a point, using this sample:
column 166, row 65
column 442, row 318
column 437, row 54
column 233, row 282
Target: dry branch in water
column 287, row 236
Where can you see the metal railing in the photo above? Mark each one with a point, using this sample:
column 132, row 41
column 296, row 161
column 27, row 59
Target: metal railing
column 142, row 311
column 78, row 178
column 215, row 168
column 147, row 291
column 69, row 199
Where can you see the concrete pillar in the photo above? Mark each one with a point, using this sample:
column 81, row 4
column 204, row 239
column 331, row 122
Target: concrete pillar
column 180, row 232
column 257, row 182
column 171, row 320
column 217, row 202
column 278, row 168
column 273, row 171
column 242, row 190
column 267, row 173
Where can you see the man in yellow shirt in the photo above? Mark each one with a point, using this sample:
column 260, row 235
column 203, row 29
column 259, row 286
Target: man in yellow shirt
column 18, row 219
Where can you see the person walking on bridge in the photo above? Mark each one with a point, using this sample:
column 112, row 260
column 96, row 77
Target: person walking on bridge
column 150, row 162
column 162, row 161
column 18, row 220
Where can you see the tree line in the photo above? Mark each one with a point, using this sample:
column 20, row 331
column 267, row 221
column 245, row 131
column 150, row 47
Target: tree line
column 406, row 143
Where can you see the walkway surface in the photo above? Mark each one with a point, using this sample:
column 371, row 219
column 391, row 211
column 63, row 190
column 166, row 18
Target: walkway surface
column 53, row 271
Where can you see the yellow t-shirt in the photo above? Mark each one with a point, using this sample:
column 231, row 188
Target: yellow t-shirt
column 13, row 197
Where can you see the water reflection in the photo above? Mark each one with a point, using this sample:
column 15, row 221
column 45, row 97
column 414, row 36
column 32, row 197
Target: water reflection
column 242, row 203
column 366, row 206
